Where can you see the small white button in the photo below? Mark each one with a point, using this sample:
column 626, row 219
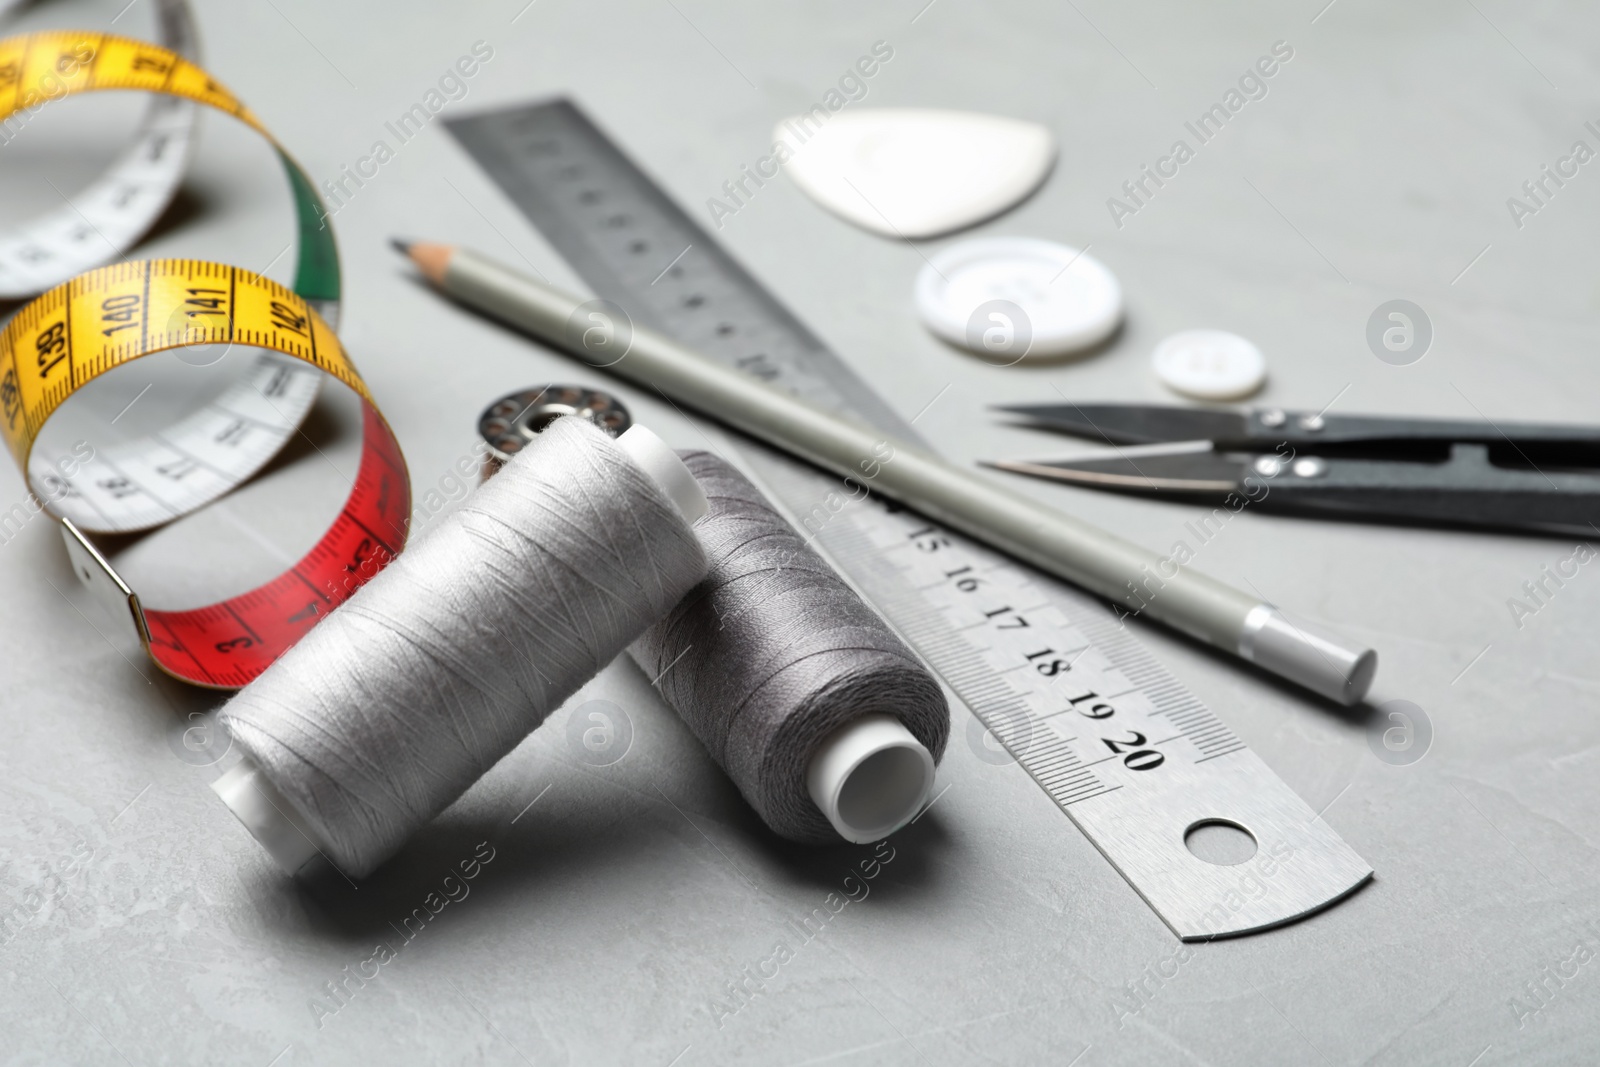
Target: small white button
column 1210, row 365
column 1014, row 298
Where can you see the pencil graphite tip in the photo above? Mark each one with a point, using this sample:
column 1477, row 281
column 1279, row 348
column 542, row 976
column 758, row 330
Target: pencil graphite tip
column 431, row 258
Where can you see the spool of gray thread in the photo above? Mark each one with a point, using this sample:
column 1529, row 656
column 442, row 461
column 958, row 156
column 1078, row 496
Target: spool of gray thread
column 389, row 709
column 773, row 654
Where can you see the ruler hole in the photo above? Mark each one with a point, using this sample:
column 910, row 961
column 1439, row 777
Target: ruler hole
column 1220, row 841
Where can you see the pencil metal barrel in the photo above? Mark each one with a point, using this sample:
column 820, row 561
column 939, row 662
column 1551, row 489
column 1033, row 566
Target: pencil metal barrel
column 1051, row 540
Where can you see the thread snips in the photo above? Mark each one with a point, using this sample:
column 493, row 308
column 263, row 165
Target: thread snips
column 1457, row 472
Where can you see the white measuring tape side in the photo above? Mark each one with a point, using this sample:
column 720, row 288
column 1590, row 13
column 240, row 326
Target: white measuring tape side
column 101, row 223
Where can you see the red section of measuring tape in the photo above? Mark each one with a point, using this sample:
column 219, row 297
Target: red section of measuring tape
column 226, row 645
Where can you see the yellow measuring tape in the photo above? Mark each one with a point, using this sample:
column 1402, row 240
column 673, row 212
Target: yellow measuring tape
column 86, row 327
column 45, row 66
column 111, row 316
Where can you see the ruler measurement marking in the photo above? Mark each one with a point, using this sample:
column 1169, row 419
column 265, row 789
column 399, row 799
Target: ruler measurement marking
column 1071, row 790
column 72, row 361
column 1176, row 711
column 186, row 454
column 368, row 530
column 93, row 78
column 279, row 428
column 1075, row 797
column 16, row 376
column 119, row 472
column 233, row 302
column 1211, row 740
column 1066, row 779
column 228, row 607
column 87, row 502
column 1072, row 775
column 1065, row 798
column 1188, row 718
column 1196, row 722
column 1066, row 764
column 1016, row 737
column 1080, row 780
column 144, row 325
column 311, row 331
column 27, row 54
column 307, row 582
column 173, row 642
column 1054, row 747
column 388, row 461
column 172, row 72
column 1067, row 801
column 1119, row 694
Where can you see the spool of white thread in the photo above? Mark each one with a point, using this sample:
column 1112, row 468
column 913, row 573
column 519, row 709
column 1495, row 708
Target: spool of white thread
column 288, row 835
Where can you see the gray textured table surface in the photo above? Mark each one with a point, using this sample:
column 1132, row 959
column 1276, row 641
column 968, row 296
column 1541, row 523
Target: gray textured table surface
column 618, row 911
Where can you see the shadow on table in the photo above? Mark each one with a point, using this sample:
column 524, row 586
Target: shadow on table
column 568, row 864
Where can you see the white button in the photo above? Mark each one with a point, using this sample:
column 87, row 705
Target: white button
column 1210, row 365
column 1015, row 298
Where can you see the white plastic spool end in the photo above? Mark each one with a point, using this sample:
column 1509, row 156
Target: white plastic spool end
column 270, row 818
column 667, row 469
column 870, row 778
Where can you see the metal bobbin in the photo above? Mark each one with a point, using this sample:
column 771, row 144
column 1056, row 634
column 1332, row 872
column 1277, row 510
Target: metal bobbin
column 510, row 423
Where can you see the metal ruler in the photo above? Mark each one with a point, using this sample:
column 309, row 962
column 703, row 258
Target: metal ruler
column 1134, row 760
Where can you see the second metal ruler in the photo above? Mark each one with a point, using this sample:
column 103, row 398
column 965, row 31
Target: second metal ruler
column 1133, row 758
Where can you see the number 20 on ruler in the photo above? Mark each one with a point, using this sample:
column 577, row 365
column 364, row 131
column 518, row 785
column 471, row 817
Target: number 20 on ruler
column 1047, row 662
